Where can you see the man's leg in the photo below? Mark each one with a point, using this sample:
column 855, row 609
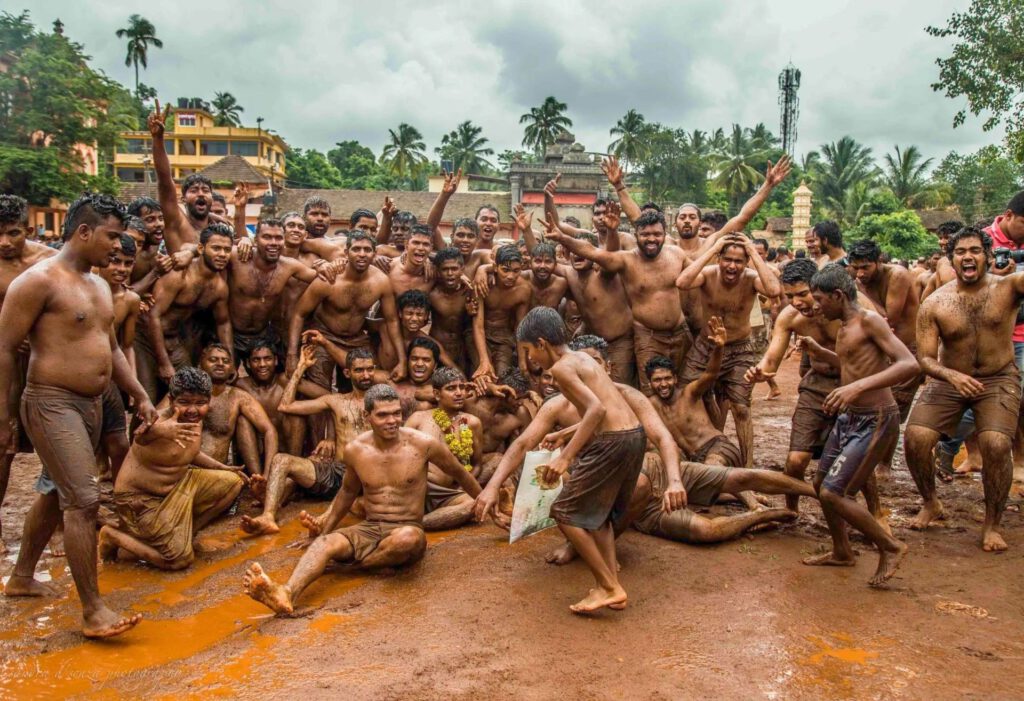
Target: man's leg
column 280, row 598
column 841, row 554
column 744, row 432
column 796, row 468
column 609, row 591
column 248, row 446
column 115, row 446
column 5, row 476
column 890, row 551
column 996, row 474
column 766, row 482
column 717, row 530
column 40, row 522
column 452, row 515
column 294, row 434
column 399, row 547
column 918, row 442
column 204, row 512
column 111, row 539
column 284, row 469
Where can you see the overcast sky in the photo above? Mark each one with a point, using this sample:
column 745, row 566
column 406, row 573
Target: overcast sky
column 321, row 72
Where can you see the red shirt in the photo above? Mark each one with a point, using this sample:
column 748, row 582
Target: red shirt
column 1001, row 240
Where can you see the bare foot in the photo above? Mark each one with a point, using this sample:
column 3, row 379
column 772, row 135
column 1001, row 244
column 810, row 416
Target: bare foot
column 773, row 393
column 888, row 563
column 106, row 624
column 598, row 598
column 967, row 467
column 258, row 487
column 829, row 559
column 931, row 511
column 992, row 542
column 562, row 555
column 262, row 524
column 28, row 586
column 883, row 472
column 260, row 587
column 56, row 546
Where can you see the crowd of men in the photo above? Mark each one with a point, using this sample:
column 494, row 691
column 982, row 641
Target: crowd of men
column 402, row 376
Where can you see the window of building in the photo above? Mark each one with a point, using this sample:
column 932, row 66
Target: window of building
column 135, row 146
column 185, row 172
column 245, row 148
column 131, row 175
column 186, row 119
column 186, row 147
column 213, row 148
column 169, row 147
column 50, row 222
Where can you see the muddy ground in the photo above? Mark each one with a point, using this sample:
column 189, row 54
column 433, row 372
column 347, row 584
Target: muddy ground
column 479, row 618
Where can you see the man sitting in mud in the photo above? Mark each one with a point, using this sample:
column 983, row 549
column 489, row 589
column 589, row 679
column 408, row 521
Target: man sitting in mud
column 167, row 488
column 504, row 408
column 320, row 475
column 448, row 506
column 388, row 464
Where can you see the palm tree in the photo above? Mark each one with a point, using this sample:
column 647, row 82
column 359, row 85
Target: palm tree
column 762, row 138
column 466, row 148
column 226, row 109
column 733, row 165
column 905, row 174
column 141, row 33
column 632, row 143
column 842, row 165
column 543, row 124
column 403, row 156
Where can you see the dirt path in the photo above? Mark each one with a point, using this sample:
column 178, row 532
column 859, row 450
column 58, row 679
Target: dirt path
column 479, row 618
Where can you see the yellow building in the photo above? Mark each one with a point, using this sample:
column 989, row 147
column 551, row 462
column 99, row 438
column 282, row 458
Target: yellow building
column 196, row 143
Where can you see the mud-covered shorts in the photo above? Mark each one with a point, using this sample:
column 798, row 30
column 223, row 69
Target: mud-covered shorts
column 366, row 537
column 113, row 411
column 438, row 497
column 329, row 475
column 703, row 485
column 737, row 358
column 322, row 370
column 860, row 439
column 245, row 343
column 673, row 344
column 811, row 425
column 601, row 480
column 721, row 446
column 501, row 347
column 996, row 408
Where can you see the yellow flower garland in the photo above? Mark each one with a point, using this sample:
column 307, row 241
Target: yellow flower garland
column 460, row 442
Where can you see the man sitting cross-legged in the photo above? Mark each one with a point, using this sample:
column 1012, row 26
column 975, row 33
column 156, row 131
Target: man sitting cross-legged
column 320, row 475
column 447, row 505
column 167, row 488
column 388, row 464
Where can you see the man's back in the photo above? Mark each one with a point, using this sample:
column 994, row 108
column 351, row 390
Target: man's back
column 618, row 416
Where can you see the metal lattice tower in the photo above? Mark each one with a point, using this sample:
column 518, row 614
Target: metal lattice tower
column 789, row 104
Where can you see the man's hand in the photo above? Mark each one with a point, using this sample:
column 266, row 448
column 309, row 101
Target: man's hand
column 840, row 399
column 612, row 216
column 6, row 433
column 182, row 259
column 556, row 439
column 313, row 524
column 312, row 337
column 966, row 385
column 155, row 121
column 774, row 175
column 307, row 358
column 483, row 280
column 717, row 333
column 674, row 497
column 399, row 373
column 148, row 416
column 388, row 209
column 324, row 450
column 166, row 372
column 165, row 264
column 485, row 370
column 756, row 374
column 612, row 171
column 553, row 471
column 486, row 503
column 383, row 263
column 244, row 249
column 240, row 198
column 326, row 272
column 451, row 182
column 524, row 219
column 552, row 185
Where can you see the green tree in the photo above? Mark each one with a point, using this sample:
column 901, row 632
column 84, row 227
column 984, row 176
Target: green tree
column 466, row 149
column 141, row 33
column 358, row 167
column 980, row 183
column 905, row 173
column 226, row 110
column 53, row 102
column 839, row 168
column 311, row 169
column 670, row 171
column 900, row 234
column 403, row 156
column 630, row 146
column 507, row 157
column 734, row 164
column 987, row 66
column 543, row 124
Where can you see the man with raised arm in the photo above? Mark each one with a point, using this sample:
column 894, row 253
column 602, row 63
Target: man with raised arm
column 65, row 311
column 389, row 465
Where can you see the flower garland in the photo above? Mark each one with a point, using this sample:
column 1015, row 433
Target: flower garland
column 459, row 439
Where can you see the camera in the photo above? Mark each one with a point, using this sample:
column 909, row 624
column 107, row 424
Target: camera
column 1003, row 257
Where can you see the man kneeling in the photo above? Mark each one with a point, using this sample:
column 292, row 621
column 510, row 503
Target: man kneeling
column 388, row 464
column 167, row 489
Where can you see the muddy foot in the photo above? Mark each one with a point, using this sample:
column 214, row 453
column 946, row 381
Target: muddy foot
column 258, row 487
column 599, row 598
column 927, row 514
column 966, row 467
column 888, row 563
column 562, row 555
column 992, row 542
column 262, row 524
column 106, row 624
column 828, row 559
column 883, row 472
column 27, row 586
column 56, row 546
column 260, row 587
column 774, row 393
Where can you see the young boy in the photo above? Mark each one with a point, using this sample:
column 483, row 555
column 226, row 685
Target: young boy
column 871, row 360
column 606, row 454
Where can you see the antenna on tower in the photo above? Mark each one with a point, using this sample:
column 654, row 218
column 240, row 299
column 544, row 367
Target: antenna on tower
column 789, row 104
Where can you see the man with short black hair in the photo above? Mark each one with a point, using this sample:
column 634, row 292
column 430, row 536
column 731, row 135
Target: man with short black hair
column 499, row 313
column 830, row 243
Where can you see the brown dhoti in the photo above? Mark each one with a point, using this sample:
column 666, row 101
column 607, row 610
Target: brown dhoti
column 622, row 358
column 737, row 358
column 674, row 344
column 366, row 537
column 322, row 370
column 996, row 408
column 501, row 347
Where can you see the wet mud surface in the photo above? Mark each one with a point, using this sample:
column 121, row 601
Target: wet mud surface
column 478, row 618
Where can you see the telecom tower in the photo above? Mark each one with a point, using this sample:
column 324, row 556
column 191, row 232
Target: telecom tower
column 789, row 83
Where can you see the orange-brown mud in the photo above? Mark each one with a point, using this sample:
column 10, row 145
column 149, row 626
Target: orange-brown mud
column 481, row 619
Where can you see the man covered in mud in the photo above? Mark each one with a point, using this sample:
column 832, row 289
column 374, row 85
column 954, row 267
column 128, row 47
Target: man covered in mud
column 168, row 488
column 413, row 270
column 499, row 313
column 65, row 311
column 452, row 307
column 388, row 465
column 871, row 360
column 413, row 317
column 974, row 320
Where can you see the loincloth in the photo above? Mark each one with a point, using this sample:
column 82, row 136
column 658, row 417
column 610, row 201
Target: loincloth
column 366, row 537
column 737, row 358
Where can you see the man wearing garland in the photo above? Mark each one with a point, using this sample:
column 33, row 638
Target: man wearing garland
column 448, row 506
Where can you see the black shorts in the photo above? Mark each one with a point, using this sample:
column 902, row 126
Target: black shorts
column 860, row 439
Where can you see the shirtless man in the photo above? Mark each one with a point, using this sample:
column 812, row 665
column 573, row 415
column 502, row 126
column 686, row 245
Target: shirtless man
column 150, row 264
column 943, row 268
column 449, row 506
column 389, row 465
column 811, row 245
column 606, row 453
column 465, row 231
column 505, row 407
column 452, row 307
column 66, row 312
column 319, row 476
column 499, row 315
column 17, row 254
column 729, row 291
column 973, row 319
column 413, row 270
column 416, row 392
column 871, row 359
column 600, row 208
column 169, row 489
column 830, row 242
column 339, row 310
column 317, row 214
column 168, row 338
column 413, row 316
